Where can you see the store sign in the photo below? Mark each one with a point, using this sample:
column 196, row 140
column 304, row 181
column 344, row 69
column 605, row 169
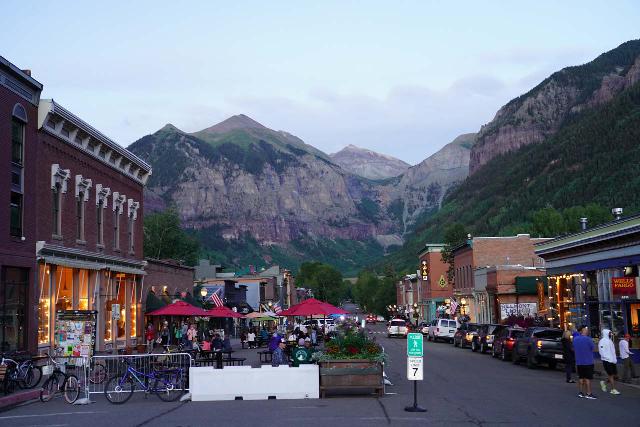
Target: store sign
column 526, row 309
column 424, row 270
column 442, row 282
column 623, row 286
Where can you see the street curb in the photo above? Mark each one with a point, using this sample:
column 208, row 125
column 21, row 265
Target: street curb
column 17, row 399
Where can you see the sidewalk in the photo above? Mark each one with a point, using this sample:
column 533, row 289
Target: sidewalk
column 601, row 374
column 19, row 397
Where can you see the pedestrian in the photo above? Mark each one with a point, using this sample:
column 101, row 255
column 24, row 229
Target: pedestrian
column 314, row 335
column 178, row 334
column 217, row 344
column 607, row 350
column 275, row 340
column 150, row 337
column 583, row 348
column 226, row 343
column 164, row 333
column 568, row 355
column 278, row 357
column 251, row 339
column 628, row 370
column 302, row 353
column 183, row 333
column 191, row 336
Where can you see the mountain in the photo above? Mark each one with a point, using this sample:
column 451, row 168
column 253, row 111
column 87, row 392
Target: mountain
column 578, row 161
column 367, row 163
column 253, row 195
column 541, row 112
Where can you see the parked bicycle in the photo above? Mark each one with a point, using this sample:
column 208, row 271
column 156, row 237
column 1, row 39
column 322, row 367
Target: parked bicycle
column 59, row 381
column 23, row 375
column 167, row 384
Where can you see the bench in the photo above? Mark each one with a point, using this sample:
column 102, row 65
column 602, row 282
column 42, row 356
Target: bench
column 234, row 361
column 265, row 356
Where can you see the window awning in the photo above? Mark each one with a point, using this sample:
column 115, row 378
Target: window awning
column 90, row 265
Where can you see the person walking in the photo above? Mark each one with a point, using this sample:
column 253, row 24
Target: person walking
column 583, row 348
column 628, row 370
column 150, row 337
column 278, row 357
column 164, row 334
column 251, row 339
column 568, row 355
column 607, row 350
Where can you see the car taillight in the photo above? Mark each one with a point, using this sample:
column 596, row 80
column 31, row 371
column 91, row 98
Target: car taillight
column 539, row 344
column 510, row 339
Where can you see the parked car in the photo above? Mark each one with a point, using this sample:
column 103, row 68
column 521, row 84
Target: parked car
column 372, row 318
column 539, row 345
column 320, row 323
column 424, row 328
column 504, row 341
column 442, row 329
column 464, row 334
column 483, row 341
column 397, row 327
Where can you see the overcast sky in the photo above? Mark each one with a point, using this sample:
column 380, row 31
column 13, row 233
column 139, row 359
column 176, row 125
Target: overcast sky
column 402, row 78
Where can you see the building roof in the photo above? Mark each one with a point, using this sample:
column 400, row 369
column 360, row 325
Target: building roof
column 431, row 247
column 19, row 82
column 61, row 123
column 609, row 230
column 169, row 263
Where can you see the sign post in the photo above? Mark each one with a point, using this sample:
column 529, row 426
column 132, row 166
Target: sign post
column 414, row 367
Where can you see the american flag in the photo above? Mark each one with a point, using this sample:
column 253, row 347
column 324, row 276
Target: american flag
column 454, row 307
column 217, row 301
column 276, row 308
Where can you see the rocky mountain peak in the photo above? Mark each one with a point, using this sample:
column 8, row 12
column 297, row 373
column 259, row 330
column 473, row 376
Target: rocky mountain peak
column 368, row 163
column 239, row 121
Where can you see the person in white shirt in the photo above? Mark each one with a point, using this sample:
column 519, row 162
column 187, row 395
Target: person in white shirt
column 607, row 351
column 251, row 339
column 628, row 369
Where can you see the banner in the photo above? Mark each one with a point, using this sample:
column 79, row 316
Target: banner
column 526, row 309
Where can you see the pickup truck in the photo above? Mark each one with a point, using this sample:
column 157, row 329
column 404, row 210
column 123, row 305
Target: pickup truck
column 539, row 345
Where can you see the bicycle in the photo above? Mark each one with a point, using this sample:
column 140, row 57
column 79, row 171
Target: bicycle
column 59, row 381
column 168, row 384
column 24, row 374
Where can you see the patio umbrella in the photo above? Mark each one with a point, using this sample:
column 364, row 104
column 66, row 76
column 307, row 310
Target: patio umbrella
column 179, row 308
column 257, row 314
column 312, row 306
column 223, row 312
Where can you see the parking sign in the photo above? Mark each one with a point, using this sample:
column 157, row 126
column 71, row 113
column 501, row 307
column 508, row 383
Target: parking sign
column 414, row 368
column 414, row 345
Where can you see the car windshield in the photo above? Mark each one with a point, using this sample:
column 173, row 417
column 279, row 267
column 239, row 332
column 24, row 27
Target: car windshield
column 548, row 333
column 517, row 333
column 397, row 323
column 492, row 329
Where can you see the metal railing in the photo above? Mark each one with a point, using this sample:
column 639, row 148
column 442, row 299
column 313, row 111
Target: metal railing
column 104, row 367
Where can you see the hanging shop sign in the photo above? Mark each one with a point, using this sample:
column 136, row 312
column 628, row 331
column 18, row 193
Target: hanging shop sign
column 623, row 287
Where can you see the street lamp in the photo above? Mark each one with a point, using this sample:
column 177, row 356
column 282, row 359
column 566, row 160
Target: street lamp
column 415, row 313
column 463, row 304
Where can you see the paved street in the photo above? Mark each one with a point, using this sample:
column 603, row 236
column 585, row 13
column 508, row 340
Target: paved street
column 460, row 388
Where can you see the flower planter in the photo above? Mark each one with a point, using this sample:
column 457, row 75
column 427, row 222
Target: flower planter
column 351, row 375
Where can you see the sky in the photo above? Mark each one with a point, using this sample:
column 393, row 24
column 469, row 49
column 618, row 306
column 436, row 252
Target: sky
column 403, row 78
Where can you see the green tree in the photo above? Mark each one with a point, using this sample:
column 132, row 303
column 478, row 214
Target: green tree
column 164, row 238
column 324, row 280
column 548, row 222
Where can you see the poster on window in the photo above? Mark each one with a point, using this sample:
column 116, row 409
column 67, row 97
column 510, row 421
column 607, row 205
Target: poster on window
column 526, row 309
column 75, row 333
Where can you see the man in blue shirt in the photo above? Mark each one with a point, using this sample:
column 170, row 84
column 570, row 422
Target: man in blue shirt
column 583, row 347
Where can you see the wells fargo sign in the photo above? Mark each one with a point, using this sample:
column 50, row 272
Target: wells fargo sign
column 623, row 286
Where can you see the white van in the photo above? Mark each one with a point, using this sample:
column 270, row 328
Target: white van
column 320, row 323
column 442, row 329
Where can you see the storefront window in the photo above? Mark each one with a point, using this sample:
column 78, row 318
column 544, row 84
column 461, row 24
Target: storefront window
column 132, row 309
column 121, row 295
column 108, row 309
column 83, row 292
column 44, row 308
column 64, row 288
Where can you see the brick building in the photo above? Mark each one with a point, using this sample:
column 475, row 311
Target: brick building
column 19, row 98
column 89, row 193
column 434, row 286
column 166, row 277
column 407, row 293
column 473, row 261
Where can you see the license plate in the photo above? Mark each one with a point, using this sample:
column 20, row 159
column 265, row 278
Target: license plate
column 451, row 331
column 557, row 356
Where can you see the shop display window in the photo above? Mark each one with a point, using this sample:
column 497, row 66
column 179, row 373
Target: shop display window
column 44, row 307
column 132, row 310
column 121, row 295
column 83, row 291
column 108, row 307
column 64, row 288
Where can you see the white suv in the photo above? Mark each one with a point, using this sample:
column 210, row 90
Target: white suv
column 442, row 329
column 398, row 328
column 320, row 323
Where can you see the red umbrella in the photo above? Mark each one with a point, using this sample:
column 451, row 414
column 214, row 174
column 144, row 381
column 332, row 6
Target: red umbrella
column 312, row 306
column 179, row 308
column 223, row 311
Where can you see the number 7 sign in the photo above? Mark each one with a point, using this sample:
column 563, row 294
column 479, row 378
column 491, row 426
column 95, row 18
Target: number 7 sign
column 414, row 368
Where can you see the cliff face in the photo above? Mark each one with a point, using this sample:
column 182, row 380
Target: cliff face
column 538, row 114
column 367, row 163
column 240, row 178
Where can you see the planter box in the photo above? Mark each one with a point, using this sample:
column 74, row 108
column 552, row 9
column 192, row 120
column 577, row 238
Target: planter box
column 351, row 374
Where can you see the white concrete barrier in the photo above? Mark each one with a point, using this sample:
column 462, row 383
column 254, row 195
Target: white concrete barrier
column 247, row 383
